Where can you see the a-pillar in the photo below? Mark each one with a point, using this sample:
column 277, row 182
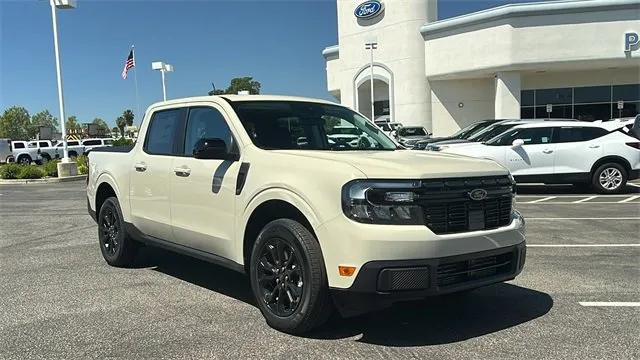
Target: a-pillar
column 507, row 102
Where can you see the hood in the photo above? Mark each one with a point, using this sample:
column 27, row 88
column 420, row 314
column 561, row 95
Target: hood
column 454, row 141
column 407, row 164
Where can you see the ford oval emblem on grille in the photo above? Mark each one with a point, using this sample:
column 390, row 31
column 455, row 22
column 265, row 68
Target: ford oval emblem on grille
column 478, row 194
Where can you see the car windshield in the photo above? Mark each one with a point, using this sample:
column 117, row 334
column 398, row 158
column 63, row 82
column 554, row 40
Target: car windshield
column 412, row 131
column 490, row 132
column 279, row 125
column 469, row 130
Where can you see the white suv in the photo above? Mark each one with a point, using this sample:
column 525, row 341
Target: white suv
column 604, row 155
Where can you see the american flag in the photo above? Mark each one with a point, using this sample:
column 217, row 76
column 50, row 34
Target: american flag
column 128, row 64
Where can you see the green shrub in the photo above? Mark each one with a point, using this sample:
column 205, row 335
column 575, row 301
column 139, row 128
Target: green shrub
column 10, row 171
column 30, row 172
column 82, row 164
column 122, row 141
column 83, row 169
column 50, row 168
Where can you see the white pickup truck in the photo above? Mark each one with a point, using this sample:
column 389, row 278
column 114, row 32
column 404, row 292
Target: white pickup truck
column 316, row 227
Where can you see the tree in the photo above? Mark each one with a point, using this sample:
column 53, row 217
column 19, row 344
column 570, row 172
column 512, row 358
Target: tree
column 245, row 83
column 128, row 117
column 72, row 124
column 14, row 123
column 43, row 118
column 121, row 123
column 102, row 126
column 115, row 131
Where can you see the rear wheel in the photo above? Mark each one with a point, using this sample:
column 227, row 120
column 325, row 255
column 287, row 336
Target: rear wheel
column 288, row 277
column 609, row 178
column 117, row 248
column 24, row 159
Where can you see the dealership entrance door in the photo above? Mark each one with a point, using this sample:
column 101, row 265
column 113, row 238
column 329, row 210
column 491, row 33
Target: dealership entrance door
column 381, row 105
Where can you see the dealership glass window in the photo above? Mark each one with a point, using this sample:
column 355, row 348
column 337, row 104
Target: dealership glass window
column 626, row 92
column 557, row 111
column 586, row 103
column 592, row 112
column 526, row 98
column 554, row 96
column 592, row 94
column 630, row 109
column 527, row 112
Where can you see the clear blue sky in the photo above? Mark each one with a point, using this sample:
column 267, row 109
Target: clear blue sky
column 279, row 43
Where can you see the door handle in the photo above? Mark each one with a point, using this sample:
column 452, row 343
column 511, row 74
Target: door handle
column 140, row 167
column 182, row 171
column 594, row 146
column 547, row 151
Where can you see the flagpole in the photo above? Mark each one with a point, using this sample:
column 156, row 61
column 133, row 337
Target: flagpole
column 135, row 75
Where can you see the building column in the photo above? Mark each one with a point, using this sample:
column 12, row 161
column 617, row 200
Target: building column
column 507, row 101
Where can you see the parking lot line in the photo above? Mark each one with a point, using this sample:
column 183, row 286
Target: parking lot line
column 582, row 245
column 608, row 303
column 541, row 200
column 629, row 199
column 585, row 199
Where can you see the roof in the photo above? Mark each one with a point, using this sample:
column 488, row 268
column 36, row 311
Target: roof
column 527, row 9
column 244, row 98
column 603, row 125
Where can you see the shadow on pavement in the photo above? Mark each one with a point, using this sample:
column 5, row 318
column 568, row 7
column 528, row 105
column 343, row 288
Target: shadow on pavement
column 568, row 190
column 432, row 321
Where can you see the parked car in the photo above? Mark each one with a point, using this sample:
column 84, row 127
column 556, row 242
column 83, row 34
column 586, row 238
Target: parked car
column 74, row 148
column 603, row 155
column 408, row 135
column 461, row 134
column 226, row 179
column 485, row 134
column 90, row 144
column 5, row 151
column 24, row 154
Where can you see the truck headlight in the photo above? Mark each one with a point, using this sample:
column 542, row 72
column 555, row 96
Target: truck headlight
column 382, row 202
column 513, row 193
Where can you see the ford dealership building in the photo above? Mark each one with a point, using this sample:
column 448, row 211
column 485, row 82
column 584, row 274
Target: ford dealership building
column 577, row 59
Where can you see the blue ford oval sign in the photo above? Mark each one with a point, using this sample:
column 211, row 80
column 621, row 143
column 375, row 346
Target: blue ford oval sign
column 368, row 9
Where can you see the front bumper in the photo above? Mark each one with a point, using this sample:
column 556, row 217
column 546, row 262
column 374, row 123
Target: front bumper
column 381, row 283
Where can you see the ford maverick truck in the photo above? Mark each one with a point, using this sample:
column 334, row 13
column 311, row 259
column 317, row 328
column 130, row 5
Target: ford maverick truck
column 317, row 226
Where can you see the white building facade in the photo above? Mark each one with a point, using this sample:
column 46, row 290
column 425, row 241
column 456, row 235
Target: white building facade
column 571, row 59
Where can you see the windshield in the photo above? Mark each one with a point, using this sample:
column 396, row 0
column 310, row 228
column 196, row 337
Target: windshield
column 279, row 125
column 412, row 131
column 490, row 132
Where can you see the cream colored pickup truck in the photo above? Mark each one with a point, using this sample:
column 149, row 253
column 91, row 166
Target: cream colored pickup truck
column 316, row 226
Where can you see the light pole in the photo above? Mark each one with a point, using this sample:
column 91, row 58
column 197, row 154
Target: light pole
column 60, row 4
column 159, row 65
column 371, row 45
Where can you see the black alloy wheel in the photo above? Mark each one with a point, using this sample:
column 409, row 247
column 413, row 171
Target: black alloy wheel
column 288, row 277
column 115, row 245
column 280, row 277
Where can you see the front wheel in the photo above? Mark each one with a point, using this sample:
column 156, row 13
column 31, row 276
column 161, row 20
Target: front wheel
column 288, row 277
column 117, row 248
column 609, row 178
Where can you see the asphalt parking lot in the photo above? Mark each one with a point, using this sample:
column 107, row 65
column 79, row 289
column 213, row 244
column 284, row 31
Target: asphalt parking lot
column 576, row 299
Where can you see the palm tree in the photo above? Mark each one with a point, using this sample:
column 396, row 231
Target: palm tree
column 128, row 117
column 121, row 123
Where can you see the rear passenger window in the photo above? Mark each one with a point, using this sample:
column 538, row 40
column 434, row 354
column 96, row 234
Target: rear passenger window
column 44, row 144
column 162, row 132
column 577, row 134
column 92, row 142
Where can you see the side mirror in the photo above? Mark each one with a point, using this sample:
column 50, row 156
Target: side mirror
column 213, row 149
column 517, row 143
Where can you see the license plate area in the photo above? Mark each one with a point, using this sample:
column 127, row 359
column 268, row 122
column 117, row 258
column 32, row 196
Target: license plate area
column 476, row 220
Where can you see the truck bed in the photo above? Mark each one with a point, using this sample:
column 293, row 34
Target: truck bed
column 114, row 149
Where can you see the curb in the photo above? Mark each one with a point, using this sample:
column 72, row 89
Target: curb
column 51, row 180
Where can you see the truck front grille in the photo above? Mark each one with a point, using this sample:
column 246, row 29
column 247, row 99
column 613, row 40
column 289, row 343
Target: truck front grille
column 448, row 207
column 461, row 272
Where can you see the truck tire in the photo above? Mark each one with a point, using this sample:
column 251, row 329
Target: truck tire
column 277, row 277
column 24, row 159
column 117, row 248
column 609, row 178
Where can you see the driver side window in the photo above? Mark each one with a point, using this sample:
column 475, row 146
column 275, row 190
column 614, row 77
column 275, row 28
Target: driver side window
column 205, row 123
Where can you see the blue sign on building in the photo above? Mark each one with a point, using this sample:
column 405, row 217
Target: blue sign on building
column 631, row 39
column 368, row 9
